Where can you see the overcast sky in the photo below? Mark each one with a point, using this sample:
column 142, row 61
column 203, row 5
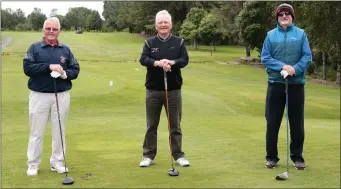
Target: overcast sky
column 47, row 6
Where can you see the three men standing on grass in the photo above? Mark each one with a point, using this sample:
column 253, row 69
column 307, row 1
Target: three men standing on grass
column 285, row 48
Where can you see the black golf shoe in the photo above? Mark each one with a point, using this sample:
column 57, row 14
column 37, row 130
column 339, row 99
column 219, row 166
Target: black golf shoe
column 299, row 165
column 270, row 164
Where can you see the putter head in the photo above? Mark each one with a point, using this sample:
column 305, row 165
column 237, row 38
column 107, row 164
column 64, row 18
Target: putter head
column 68, row 181
column 283, row 176
column 173, row 172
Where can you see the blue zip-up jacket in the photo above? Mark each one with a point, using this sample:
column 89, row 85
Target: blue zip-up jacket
column 289, row 47
column 37, row 62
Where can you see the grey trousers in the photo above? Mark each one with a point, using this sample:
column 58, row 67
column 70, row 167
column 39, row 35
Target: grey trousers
column 154, row 102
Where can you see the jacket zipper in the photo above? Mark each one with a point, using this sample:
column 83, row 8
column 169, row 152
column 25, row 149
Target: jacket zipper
column 285, row 47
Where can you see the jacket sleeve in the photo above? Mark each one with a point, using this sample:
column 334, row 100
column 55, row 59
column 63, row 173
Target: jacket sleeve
column 306, row 59
column 31, row 67
column 267, row 59
column 183, row 60
column 145, row 58
column 72, row 69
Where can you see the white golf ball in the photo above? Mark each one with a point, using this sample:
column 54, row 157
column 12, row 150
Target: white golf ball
column 111, row 83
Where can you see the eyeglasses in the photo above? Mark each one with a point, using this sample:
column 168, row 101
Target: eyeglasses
column 51, row 29
column 284, row 13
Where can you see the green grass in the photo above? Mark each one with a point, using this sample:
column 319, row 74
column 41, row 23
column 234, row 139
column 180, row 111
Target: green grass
column 223, row 122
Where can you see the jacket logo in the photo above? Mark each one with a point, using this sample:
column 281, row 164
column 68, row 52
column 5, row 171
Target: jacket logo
column 155, row 50
column 62, row 59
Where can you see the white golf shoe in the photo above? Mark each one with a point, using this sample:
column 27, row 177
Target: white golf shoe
column 59, row 168
column 32, row 170
column 183, row 162
column 146, row 162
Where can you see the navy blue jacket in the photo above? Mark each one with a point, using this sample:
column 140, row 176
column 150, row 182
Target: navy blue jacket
column 37, row 66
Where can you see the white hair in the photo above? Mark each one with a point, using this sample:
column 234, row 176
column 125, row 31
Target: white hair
column 55, row 19
column 163, row 13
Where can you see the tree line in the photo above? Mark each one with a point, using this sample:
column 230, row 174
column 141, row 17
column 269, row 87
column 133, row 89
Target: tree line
column 75, row 17
column 207, row 22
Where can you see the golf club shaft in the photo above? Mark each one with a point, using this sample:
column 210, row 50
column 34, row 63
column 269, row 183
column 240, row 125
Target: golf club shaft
column 60, row 127
column 167, row 106
column 287, row 118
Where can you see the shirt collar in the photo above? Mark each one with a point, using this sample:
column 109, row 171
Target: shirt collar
column 44, row 44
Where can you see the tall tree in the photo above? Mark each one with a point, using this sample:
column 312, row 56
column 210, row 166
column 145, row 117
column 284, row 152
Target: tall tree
column 226, row 13
column 76, row 17
column 94, row 21
column 19, row 16
column 322, row 20
column 36, row 19
column 254, row 21
column 194, row 18
column 54, row 12
column 209, row 30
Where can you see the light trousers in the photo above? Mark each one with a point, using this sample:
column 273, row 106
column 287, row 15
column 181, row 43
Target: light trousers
column 42, row 108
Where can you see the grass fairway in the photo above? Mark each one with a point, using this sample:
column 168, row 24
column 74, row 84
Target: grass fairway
column 223, row 122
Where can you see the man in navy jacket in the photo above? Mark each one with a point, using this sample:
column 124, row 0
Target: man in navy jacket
column 45, row 61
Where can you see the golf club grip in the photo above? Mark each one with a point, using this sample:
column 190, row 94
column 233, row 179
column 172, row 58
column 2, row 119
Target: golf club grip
column 55, row 92
column 165, row 79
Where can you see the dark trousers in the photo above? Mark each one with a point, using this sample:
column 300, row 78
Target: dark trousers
column 154, row 102
column 275, row 104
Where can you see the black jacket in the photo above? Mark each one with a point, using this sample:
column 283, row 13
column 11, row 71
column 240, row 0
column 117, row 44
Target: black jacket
column 156, row 48
column 36, row 65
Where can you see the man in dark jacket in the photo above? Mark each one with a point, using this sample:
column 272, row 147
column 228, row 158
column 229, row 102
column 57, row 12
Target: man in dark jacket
column 163, row 53
column 285, row 50
column 45, row 61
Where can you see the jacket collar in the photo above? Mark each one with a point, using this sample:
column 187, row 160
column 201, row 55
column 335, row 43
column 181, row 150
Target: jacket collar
column 279, row 27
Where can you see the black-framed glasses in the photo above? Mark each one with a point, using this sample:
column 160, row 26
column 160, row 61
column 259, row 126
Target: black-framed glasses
column 284, row 13
column 51, row 29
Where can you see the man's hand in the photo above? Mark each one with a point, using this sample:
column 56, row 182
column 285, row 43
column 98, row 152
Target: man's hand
column 167, row 68
column 55, row 74
column 56, row 67
column 159, row 63
column 289, row 69
column 284, row 73
column 165, row 64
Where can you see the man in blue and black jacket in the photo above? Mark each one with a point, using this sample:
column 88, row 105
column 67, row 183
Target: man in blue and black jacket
column 45, row 61
column 285, row 48
column 163, row 53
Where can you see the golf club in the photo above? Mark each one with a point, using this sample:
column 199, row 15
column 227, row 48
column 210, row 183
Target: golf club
column 67, row 180
column 284, row 175
column 172, row 171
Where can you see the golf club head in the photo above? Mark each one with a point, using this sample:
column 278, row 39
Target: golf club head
column 283, row 176
column 68, row 181
column 173, row 172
